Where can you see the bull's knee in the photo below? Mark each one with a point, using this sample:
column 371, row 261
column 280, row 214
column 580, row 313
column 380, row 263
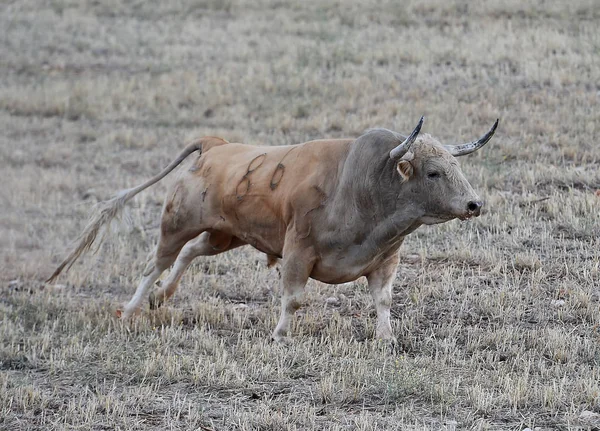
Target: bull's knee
column 292, row 305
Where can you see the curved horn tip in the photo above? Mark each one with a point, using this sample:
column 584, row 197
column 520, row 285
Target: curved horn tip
column 401, row 149
column 420, row 124
column 496, row 124
column 464, row 149
column 416, row 130
column 489, row 134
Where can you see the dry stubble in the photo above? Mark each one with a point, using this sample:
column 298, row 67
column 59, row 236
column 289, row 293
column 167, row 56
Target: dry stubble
column 498, row 317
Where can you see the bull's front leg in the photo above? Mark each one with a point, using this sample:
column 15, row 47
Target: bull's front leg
column 295, row 270
column 380, row 285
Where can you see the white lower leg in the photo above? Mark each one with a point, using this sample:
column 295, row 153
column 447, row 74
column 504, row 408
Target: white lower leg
column 295, row 270
column 290, row 302
column 383, row 300
column 170, row 285
column 134, row 305
column 384, row 327
column 380, row 285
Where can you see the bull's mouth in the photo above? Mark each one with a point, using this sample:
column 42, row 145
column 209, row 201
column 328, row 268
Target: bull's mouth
column 469, row 215
column 438, row 218
column 442, row 218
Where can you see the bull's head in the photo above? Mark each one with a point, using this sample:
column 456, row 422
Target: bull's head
column 433, row 175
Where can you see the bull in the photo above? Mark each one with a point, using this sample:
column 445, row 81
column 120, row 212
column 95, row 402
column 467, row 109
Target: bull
column 332, row 210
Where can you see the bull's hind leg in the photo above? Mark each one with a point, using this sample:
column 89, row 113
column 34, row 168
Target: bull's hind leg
column 206, row 244
column 169, row 246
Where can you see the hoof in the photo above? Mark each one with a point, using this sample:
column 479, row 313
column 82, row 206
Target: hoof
column 156, row 300
column 154, row 303
column 123, row 314
column 282, row 340
column 389, row 340
column 385, row 334
column 388, row 343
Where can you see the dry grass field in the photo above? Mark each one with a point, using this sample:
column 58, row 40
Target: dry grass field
column 497, row 318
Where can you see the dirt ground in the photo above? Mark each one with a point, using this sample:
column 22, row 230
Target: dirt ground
column 497, row 318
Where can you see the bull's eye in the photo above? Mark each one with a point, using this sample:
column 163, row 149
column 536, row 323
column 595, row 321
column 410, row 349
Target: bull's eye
column 433, row 175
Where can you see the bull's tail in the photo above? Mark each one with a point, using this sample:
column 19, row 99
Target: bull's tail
column 108, row 210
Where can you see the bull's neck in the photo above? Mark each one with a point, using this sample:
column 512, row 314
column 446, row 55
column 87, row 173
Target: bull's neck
column 362, row 239
column 373, row 211
column 389, row 232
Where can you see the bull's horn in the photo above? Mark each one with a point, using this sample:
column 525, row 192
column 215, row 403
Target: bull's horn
column 464, row 149
column 401, row 149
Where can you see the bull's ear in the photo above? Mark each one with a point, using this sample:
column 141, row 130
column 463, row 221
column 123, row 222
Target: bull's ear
column 405, row 169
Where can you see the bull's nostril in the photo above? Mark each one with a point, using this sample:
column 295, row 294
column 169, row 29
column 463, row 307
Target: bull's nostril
column 473, row 206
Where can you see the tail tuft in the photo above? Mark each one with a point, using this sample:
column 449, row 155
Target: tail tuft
column 105, row 212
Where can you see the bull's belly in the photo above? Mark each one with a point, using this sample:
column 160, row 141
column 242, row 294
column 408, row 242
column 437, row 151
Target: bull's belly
column 335, row 277
column 253, row 221
column 342, row 271
column 342, row 267
column 265, row 237
column 271, row 245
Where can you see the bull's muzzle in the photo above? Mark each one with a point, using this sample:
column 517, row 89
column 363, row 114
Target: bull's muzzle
column 474, row 208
